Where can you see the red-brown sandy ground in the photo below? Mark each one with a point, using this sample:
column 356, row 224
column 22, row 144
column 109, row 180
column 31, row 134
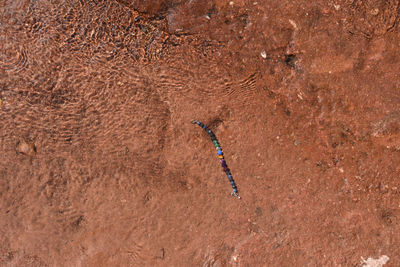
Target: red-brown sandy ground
column 100, row 165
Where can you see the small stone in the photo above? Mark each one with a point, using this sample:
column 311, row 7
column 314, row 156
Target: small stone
column 26, row 147
column 293, row 24
column 374, row 11
column 235, row 258
column 161, row 254
column 263, row 54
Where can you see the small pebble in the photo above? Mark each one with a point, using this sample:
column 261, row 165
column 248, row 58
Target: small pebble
column 293, row 24
column 235, row 258
column 161, row 254
column 26, row 147
column 374, row 11
column 264, row 54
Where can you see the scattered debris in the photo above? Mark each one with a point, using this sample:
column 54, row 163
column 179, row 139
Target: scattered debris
column 370, row 262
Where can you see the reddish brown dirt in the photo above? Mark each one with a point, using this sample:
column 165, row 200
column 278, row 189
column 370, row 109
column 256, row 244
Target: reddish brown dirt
column 100, row 165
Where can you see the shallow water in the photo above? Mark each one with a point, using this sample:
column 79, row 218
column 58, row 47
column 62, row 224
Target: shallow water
column 101, row 166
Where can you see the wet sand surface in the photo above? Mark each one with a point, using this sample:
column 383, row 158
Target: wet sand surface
column 100, row 165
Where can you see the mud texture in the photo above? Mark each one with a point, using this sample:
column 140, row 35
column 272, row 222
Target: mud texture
column 100, row 165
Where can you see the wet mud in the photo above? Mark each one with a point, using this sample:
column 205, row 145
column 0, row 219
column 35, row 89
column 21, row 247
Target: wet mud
column 101, row 166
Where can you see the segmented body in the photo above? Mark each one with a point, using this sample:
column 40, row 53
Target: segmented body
column 220, row 156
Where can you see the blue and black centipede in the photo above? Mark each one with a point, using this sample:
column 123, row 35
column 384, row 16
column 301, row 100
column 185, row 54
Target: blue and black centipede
column 220, row 156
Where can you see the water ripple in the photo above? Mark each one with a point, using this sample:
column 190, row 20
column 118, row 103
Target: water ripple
column 14, row 60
